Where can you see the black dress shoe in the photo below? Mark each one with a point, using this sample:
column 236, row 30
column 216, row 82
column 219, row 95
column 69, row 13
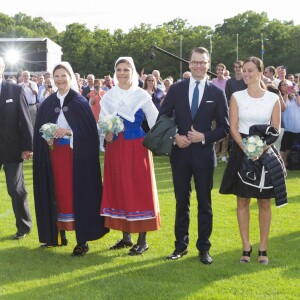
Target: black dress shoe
column 133, row 248
column 139, row 250
column 81, row 249
column 177, row 254
column 19, row 235
column 121, row 244
column 205, row 258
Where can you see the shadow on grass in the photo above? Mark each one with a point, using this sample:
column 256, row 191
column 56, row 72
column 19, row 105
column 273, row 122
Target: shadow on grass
column 165, row 279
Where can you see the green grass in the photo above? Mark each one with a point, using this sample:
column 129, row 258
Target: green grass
column 30, row 272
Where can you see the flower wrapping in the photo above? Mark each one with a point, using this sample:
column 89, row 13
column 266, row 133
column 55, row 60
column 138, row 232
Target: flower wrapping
column 253, row 146
column 111, row 123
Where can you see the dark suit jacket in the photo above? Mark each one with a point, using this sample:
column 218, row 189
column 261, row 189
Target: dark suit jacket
column 85, row 91
column 213, row 106
column 15, row 125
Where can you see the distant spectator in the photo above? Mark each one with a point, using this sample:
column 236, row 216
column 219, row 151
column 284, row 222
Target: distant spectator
column 186, row 75
column 86, row 90
column 31, row 91
column 227, row 74
column 270, row 72
column 108, row 83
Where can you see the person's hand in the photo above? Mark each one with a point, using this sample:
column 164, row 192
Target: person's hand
column 61, row 132
column 50, row 142
column 195, row 136
column 27, row 155
column 109, row 136
column 182, row 141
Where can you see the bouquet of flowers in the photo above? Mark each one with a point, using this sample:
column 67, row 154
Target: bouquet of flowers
column 253, row 146
column 111, row 123
column 48, row 131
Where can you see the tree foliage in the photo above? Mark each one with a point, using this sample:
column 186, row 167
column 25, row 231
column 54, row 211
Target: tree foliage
column 96, row 51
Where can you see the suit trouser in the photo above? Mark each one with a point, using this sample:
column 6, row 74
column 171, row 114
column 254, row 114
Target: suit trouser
column 17, row 191
column 203, row 178
column 33, row 112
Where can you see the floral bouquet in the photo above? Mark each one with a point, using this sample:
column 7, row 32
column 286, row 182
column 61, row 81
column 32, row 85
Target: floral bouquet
column 253, row 146
column 48, row 131
column 111, row 123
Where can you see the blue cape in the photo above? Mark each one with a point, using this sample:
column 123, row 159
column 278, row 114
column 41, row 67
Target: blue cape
column 87, row 183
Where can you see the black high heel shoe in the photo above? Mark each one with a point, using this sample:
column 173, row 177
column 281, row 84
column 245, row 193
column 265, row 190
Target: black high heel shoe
column 263, row 261
column 246, row 253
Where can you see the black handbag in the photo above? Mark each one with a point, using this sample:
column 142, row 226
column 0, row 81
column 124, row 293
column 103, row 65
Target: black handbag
column 161, row 136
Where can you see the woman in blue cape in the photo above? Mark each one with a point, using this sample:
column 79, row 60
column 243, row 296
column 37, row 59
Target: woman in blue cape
column 66, row 175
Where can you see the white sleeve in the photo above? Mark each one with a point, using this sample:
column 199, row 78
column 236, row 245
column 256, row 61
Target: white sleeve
column 151, row 112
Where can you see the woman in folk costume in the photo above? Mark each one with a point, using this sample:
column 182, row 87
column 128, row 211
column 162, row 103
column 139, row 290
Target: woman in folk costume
column 129, row 201
column 66, row 174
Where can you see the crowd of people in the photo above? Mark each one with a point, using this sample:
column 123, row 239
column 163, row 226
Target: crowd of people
column 215, row 117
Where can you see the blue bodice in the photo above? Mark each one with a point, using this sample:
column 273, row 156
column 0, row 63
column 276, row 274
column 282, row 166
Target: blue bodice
column 133, row 130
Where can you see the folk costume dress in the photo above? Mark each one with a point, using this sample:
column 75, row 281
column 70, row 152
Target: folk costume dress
column 67, row 178
column 129, row 200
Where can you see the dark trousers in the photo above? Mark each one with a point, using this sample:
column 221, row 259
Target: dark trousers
column 182, row 175
column 17, row 191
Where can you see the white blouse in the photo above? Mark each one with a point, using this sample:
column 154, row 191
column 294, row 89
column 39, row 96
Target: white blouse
column 61, row 120
column 253, row 111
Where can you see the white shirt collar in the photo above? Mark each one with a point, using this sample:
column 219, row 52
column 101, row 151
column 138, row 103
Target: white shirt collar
column 192, row 81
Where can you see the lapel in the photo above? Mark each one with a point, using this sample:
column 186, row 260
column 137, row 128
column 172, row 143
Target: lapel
column 4, row 92
column 185, row 96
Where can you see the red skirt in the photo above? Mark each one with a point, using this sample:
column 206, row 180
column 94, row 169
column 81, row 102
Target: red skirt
column 129, row 199
column 62, row 169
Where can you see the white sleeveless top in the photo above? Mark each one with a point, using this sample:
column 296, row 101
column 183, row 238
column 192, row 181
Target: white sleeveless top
column 252, row 111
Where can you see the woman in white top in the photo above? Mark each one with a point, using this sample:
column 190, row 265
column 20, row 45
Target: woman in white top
column 252, row 106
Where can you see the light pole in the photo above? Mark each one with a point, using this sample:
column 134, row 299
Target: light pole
column 262, row 48
column 237, row 46
column 180, row 63
column 210, row 50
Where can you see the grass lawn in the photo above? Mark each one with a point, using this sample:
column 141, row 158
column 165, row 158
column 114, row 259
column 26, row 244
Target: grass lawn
column 30, row 272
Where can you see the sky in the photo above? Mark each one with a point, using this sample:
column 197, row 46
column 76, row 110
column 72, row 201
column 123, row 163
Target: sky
column 121, row 14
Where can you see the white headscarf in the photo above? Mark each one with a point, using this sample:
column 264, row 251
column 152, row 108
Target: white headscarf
column 127, row 102
column 135, row 78
column 74, row 85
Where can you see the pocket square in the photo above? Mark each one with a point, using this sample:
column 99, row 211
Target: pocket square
column 9, row 100
column 209, row 101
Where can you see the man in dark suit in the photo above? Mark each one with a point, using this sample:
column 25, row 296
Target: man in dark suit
column 196, row 103
column 15, row 145
column 90, row 87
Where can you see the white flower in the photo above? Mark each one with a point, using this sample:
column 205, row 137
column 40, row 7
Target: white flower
column 260, row 143
column 109, row 125
column 251, row 148
column 251, row 140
